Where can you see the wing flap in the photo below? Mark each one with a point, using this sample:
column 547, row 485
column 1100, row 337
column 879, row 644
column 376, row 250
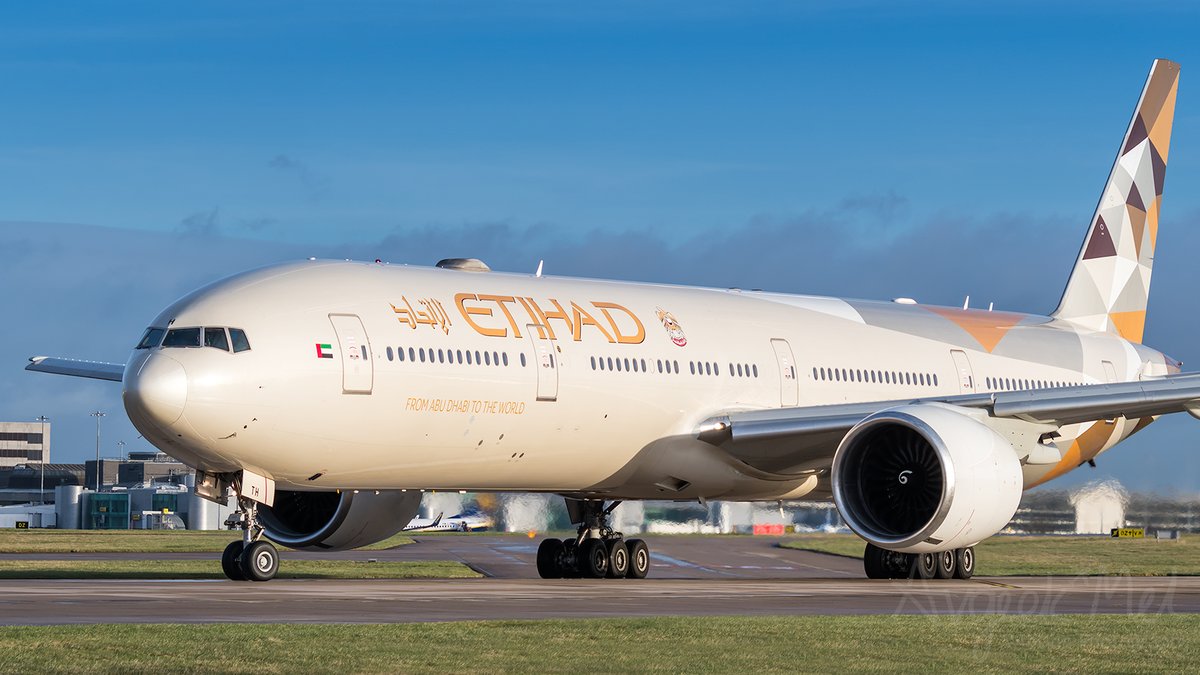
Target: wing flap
column 98, row 370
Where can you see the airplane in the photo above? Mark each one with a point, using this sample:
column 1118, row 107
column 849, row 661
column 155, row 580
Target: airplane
column 325, row 395
column 460, row 522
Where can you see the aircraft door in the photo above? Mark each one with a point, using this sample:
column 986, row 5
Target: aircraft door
column 789, row 383
column 546, row 362
column 358, row 372
column 966, row 376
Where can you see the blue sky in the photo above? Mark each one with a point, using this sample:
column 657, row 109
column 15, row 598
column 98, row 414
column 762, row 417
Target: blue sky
column 861, row 148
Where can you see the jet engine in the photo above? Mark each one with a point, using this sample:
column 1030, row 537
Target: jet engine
column 926, row 477
column 339, row 520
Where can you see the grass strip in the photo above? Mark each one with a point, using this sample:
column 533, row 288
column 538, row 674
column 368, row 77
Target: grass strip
column 135, row 541
column 1044, row 556
column 940, row 643
column 211, row 569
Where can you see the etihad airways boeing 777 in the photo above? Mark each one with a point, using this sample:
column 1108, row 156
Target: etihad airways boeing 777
column 325, row 394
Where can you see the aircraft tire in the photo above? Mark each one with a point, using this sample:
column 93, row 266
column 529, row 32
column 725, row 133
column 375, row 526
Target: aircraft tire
column 947, row 564
column 229, row 560
column 549, row 559
column 570, row 560
column 260, row 561
column 639, row 559
column 593, row 559
column 964, row 562
column 618, row 559
column 924, row 566
column 875, row 562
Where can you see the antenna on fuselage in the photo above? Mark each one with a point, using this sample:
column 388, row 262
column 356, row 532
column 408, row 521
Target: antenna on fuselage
column 538, row 273
column 967, row 303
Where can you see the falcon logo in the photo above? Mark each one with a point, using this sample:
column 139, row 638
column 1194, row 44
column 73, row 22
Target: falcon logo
column 672, row 326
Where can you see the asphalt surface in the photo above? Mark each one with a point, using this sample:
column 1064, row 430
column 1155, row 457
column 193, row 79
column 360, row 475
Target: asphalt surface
column 689, row 576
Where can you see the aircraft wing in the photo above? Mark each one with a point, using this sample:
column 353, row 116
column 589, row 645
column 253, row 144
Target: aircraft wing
column 804, row 438
column 94, row 369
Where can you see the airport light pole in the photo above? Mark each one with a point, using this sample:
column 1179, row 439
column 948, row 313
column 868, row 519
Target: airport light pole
column 97, row 415
column 42, row 485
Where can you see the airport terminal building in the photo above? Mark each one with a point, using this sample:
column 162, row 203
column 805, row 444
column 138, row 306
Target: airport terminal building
column 22, row 442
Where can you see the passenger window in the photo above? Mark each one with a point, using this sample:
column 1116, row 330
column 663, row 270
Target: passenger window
column 522, row 358
column 389, row 353
column 151, row 338
column 238, row 337
column 411, row 354
column 487, row 358
column 593, row 363
column 182, row 337
column 505, row 357
column 400, row 353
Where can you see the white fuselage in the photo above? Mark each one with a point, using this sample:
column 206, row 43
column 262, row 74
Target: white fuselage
column 368, row 376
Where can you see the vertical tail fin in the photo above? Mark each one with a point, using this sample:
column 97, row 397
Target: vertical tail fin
column 1109, row 285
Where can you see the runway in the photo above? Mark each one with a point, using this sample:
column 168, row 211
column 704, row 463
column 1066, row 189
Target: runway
column 689, row 576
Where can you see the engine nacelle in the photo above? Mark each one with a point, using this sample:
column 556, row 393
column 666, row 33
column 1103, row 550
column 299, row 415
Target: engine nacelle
column 335, row 521
column 925, row 477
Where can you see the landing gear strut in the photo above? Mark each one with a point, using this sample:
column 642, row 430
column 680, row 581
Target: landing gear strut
column 252, row 558
column 880, row 563
column 597, row 551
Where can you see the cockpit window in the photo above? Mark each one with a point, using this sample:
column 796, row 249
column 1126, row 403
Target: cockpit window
column 215, row 337
column 240, row 343
column 182, row 337
column 151, row 338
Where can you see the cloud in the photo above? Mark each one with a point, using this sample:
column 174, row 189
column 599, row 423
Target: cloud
column 200, row 224
column 314, row 185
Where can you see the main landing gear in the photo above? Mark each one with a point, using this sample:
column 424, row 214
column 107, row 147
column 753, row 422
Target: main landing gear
column 881, row 563
column 253, row 558
column 596, row 552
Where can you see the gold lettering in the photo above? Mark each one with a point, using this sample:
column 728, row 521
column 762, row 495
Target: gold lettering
column 500, row 300
column 582, row 318
column 538, row 319
column 559, row 314
column 621, row 337
column 468, row 312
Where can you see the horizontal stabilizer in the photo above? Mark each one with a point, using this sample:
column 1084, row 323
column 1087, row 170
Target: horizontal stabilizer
column 75, row 368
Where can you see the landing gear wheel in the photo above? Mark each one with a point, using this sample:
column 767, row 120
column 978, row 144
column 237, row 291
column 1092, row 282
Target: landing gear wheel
column 964, row 562
column 618, row 559
column 260, row 561
column 947, row 564
column 924, row 566
column 593, row 559
column 229, row 560
column 549, row 555
column 568, row 563
column 639, row 559
column 875, row 562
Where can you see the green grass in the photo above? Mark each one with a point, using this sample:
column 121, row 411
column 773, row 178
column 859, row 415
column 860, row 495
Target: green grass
column 211, row 569
column 945, row 643
column 135, row 541
column 1021, row 556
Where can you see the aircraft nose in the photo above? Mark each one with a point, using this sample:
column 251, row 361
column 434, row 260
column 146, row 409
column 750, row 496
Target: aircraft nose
column 158, row 390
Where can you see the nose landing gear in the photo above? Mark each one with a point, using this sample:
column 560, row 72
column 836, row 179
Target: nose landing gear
column 252, row 558
column 597, row 551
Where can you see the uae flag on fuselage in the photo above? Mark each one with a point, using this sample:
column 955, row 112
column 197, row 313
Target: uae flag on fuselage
column 324, row 351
